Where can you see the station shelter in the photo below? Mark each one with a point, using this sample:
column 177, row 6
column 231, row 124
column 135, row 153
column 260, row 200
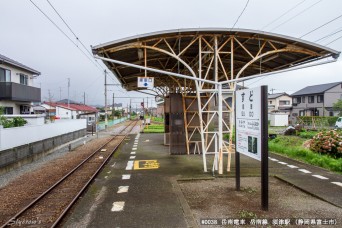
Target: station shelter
column 196, row 72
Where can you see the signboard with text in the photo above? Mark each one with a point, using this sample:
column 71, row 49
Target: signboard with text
column 146, row 82
column 248, row 122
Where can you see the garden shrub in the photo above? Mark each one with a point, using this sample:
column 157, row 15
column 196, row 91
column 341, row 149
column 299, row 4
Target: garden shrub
column 329, row 142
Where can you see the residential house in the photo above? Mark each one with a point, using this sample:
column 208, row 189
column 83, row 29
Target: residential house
column 17, row 92
column 316, row 100
column 72, row 111
column 279, row 102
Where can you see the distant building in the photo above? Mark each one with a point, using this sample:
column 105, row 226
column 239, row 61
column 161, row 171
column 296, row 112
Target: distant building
column 279, row 102
column 72, row 111
column 316, row 100
column 17, row 92
column 160, row 107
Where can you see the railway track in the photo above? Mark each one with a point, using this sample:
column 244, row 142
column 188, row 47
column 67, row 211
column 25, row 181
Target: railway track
column 49, row 208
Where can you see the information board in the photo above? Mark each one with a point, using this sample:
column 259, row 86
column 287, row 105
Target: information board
column 248, row 122
column 146, row 82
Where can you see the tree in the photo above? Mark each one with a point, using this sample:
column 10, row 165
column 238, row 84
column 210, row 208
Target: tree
column 338, row 106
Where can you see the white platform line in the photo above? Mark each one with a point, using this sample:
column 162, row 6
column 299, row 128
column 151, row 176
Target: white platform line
column 134, row 148
column 337, row 183
column 123, row 189
column 273, row 159
column 109, row 172
column 132, row 152
column 126, row 176
column 304, row 170
column 132, row 157
column 292, row 166
column 283, row 163
column 129, row 165
column 320, row 177
column 113, row 165
column 118, row 206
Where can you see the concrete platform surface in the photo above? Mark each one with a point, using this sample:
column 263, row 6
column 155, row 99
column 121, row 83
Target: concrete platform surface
column 138, row 187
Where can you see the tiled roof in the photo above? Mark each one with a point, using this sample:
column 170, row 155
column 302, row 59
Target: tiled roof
column 17, row 64
column 73, row 107
column 275, row 95
column 315, row 89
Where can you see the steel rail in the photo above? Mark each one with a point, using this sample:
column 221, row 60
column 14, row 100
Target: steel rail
column 59, row 219
column 6, row 224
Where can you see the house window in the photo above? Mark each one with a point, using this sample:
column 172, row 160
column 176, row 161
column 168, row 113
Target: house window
column 270, row 102
column 8, row 110
column 284, row 102
column 331, row 113
column 297, row 100
column 320, row 99
column 311, row 99
column 23, row 79
column 303, row 99
column 5, row 75
column 301, row 113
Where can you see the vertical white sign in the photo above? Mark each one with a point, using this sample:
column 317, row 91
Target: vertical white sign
column 248, row 122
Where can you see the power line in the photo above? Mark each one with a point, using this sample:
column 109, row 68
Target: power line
column 331, row 34
column 306, row 9
column 77, row 38
column 321, row 26
column 334, row 40
column 241, row 14
column 283, row 14
column 61, row 31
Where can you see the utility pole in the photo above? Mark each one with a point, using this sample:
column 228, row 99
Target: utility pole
column 84, row 98
column 105, row 84
column 130, row 107
column 272, row 90
column 68, row 93
column 113, row 108
column 60, row 93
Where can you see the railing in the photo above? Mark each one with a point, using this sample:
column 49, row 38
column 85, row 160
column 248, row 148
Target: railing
column 18, row 92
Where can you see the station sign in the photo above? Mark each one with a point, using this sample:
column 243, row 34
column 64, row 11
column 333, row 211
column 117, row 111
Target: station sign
column 146, row 82
column 248, row 122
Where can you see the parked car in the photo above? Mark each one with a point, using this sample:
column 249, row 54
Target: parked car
column 338, row 123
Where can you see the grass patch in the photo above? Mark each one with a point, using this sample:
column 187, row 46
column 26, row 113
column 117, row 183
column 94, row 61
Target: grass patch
column 291, row 146
column 158, row 119
column 154, row 128
column 243, row 214
column 307, row 134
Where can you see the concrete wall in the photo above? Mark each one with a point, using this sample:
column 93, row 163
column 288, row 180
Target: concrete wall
column 18, row 136
column 15, row 157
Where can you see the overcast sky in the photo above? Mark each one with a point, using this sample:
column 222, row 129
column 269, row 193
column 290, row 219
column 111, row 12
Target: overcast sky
column 28, row 37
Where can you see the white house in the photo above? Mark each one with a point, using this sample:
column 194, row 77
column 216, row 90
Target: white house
column 72, row 111
column 279, row 102
column 17, row 92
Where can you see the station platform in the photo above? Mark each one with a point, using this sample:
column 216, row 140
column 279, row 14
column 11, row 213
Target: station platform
column 144, row 186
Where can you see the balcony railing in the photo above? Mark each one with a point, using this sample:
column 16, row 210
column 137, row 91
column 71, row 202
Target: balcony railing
column 18, row 92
